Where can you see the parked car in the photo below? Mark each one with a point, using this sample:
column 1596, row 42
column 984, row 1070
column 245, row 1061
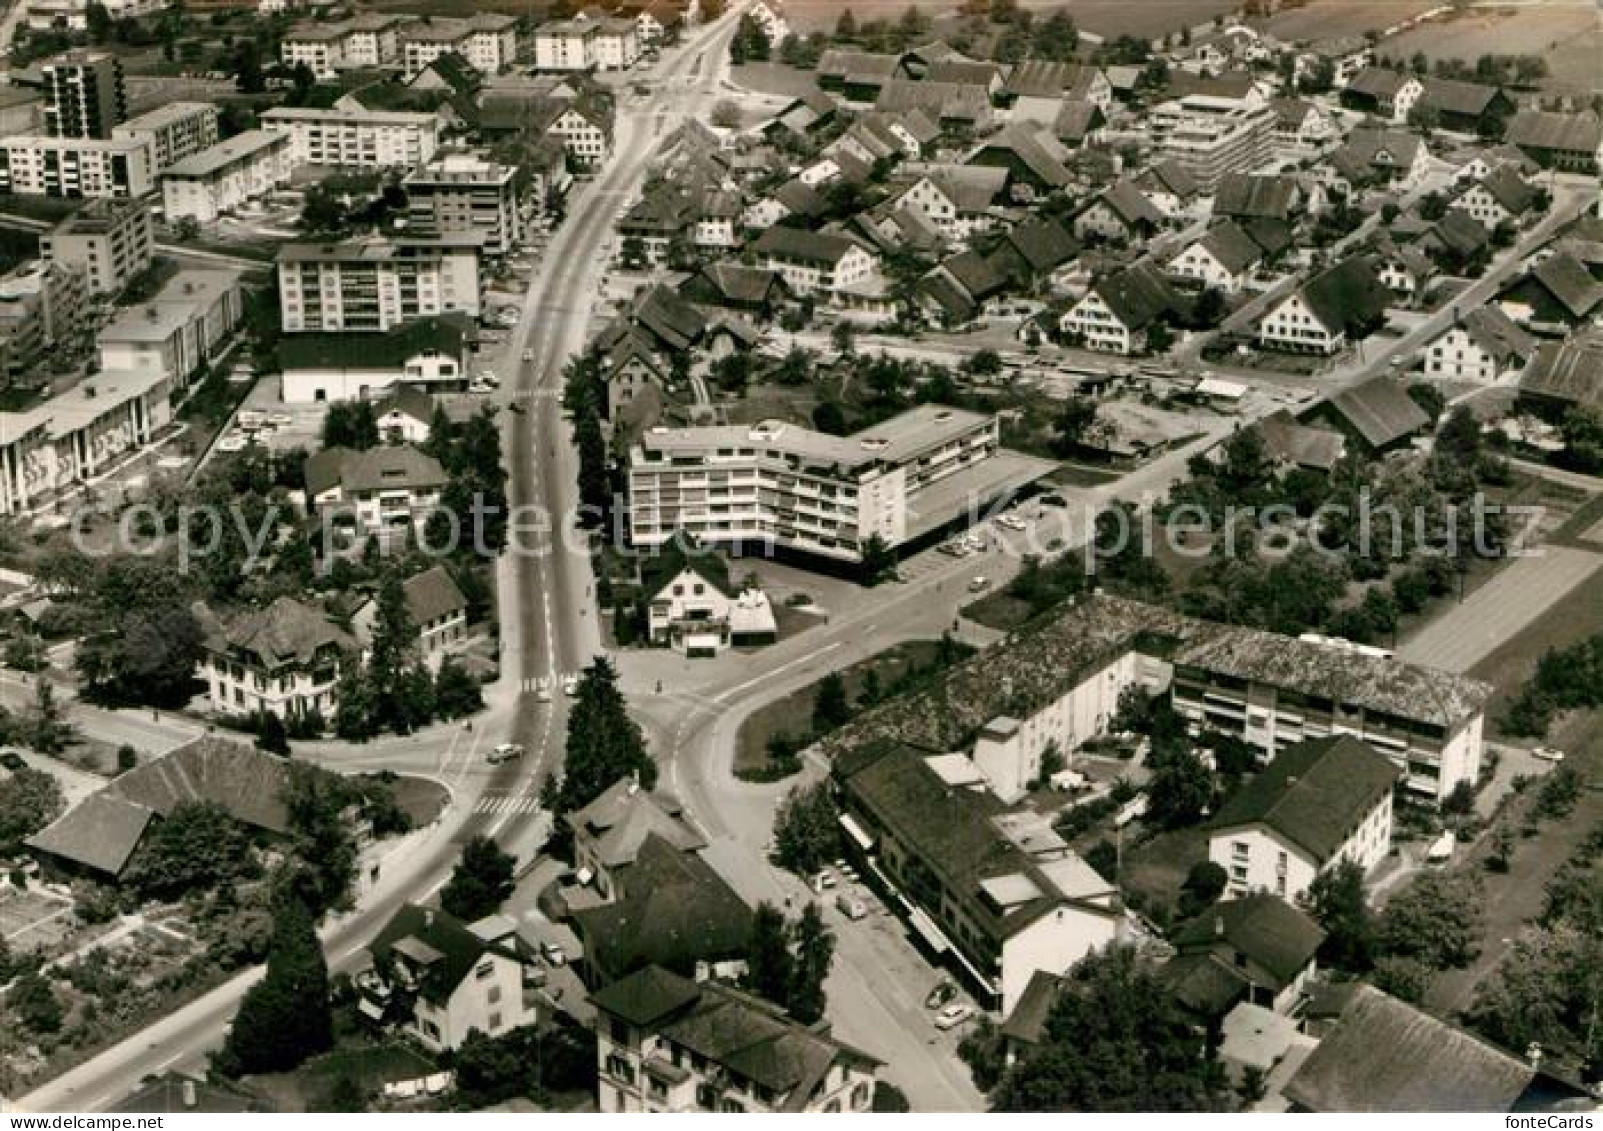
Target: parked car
column 1548, row 754
column 505, row 752
column 953, row 1016
column 850, row 907
column 941, row 995
column 553, row 954
column 979, row 585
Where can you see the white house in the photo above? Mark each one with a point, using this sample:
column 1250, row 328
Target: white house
column 813, row 261
column 1223, row 257
column 1119, row 309
column 694, row 608
column 436, row 606
column 424, row 353
column 1501, row 196
column 381, row 491
column 1484, row 345
column 1317, row 804
column 1342, row 303
column 283, row 660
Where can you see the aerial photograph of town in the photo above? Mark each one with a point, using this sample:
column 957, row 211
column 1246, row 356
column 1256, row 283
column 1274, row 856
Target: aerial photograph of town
column 584, row 557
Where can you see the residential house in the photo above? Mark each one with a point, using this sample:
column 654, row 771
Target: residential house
column 1345, row 303
column 1569, row 142
column 959, row 200
column 666, row 1043
column 1032, row 157
column 731, row 284
column 1246, row 196
column 1223, row 257
column 1121, row 213
column 1169, row 186
column 955, row 106
column 1386, row 94
column 109, row 240
column 957, row 290
column 436, row 607
column 1302, row 129
column 1376, row 416
column 1380, row 157
column 770, row 18
column 1502, row 196
column 1079, row 124
column 1565, row 375
column 1483, row 346
column 1288, row 443
column 811, row 262
column 1256, row 948
column 1554, row 297
column 1317, row 804
column 1466, row 107
column 382, row 491
column 433, row 977
column 488, row 40
column 423, row 353
column 585, row 129
column 405, row 415
column 283, row 660
column 1037, row 88
column 610, row 833
column 1275, row 691
column 1457, row 243
column 693, row 607
column 1120, row 310
column 1036, row 253
column 1405, row 269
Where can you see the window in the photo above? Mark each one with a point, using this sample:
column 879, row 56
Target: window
column 484, row 970
column 494, row 995
column 619, row 1032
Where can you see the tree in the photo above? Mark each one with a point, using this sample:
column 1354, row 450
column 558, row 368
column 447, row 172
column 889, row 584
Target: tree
column 48, row 733
column 456, row 692
column 768, row 959
column 807, row 829
column 356, row 707
column 1115, row 1040
column 1335, row 900
column 831, row 707
column 1546, row 991
column 814, row 950
column 830, row 418
column 29, row 800
column 270, row 733
column 726, row 115
column 879, row 560
column 480, row 882
column 1435, row 920
column 604, row 744
column 286, row 1017
column 595, row 490
column 98, row 22
column 350, row 424
column 1205, row 883
column 846, row 25
column 34, row 1001
column 1407, row 979
column 198, row 847
column 1074, row 424
column 316, row 802
column 1180, row 789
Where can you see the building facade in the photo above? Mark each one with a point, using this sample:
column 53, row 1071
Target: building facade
column 359, row 139
column 110, row 241
column 34, row 165
column 183, row 328
column 243, row 168
column 283, row 660
column 375, row 284
column 467, row 194
column 174, row 131
column 84, row 94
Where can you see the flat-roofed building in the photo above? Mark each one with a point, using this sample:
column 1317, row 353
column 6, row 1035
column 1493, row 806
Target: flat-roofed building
column 467, row 194
column 75, row 167
column 369, row 39
column 777, row 484
column 184, row 327
column 110, row 241
column 360, row 139
column 175, row 131
column 1211, row 136
column 40, row 302
column 1276, row 691
column 84, row 94
column 244, row 167
column 374, row 284
column 584, row 43
column 487, row 40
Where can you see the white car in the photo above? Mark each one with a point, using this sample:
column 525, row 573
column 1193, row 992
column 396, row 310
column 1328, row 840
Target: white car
column 233, row 442
column 489, row 378
column 505, row 752
column 528, row 355
column 1548, row 754
column 570, row 686
column 953, row 1016
column 979, row 585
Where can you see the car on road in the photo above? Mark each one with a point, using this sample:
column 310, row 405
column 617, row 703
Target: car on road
column 824, row 880
column 850, row 907
column 553, row 953
column 941, row 995
column 1548, row 754
column 953, row 1016
column 505, row 752
column 1012, row 522
column 570, row 685
column 979, row 584
column 528, row 355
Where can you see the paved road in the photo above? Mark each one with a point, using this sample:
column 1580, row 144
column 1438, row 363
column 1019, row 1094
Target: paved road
column 544, row 624
column 1499, row 610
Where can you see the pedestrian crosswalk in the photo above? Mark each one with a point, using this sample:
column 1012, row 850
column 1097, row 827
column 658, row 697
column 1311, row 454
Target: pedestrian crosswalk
column 494, row 804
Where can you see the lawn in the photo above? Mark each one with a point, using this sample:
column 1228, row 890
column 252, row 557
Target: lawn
column 372, row 1066
column 793, row 714
column 999, row 610
column 773, row 78
column 1081, row 475
column 1574, row 618
column 420, row 799
column 1154, row 871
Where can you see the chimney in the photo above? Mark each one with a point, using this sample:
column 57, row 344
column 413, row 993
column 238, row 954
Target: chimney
column 190, row 1099
column 1218, row 926
column 428, row 916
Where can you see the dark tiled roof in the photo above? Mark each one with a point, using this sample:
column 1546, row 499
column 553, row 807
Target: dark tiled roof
column 799, row 244
column 1131, row 205
column 248, row 783
column 1242, row 195
column 1509, row 189
column 842, row 64
column 101, row 833
column 1169, row 176
column 964, row 71
column 736, row 282
column 1036, row 78
column 1377, row 82
column 286, row 632
column 1075, row 120
column 1299, row 444
column 1384, row 1055
column 975, row 274
column 647, row 997
column 1495, row 333
column 1204, row 984
column 1381, row 411
column 1230, row 244
column 1138, row 295
column 667, row 314
column 459, row 949
column 1460, row 232
column 1313, row 794
column 1270, row 932
column 432, row 594
column 1451, row 96
column 1543, row 130
column 941, row 100
column 1567, row 371
column 1039, row 152
column 1347, row 296
column 1568, row 281
column 619, row 822
column 1044, row 244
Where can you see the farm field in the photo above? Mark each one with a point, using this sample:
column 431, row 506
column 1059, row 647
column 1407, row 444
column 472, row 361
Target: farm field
column 1567, row 33
column 1341, row 19
column 1107, row 18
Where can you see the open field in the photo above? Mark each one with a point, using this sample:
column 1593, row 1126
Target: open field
column 1567, row 33
column 1341, row 19
column 1567, row 621
column 31, row 920
column 1106, row 18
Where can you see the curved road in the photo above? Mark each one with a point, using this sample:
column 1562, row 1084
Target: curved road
column 546, row 628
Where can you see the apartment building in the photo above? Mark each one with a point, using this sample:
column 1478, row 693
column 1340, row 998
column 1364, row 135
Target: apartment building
column 1315, row 805
column 174, row 131
column 585, row 130
column 467, row 194
column 74, row 167
column 84, row 94
column 219, row 180
column 52, row 15
column 283, row 660
column 76, row 435
column 1276, row 691
column 372, row 284
column 369, row 39
column 381, row 491
column 361, row 139
column 318, row 47
column 996, row 892
column 586, row 43
column 183, row 328
column 777, row 484
column 1211, row 136
column 40, row 302
column 487, row 40
column 665, row 1043
column 110, row 241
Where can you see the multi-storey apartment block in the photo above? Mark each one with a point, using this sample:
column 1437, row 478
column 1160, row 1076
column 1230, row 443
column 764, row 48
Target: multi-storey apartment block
column 667, row 1044
column 174, row 131
column 777, row 484
column 362, row 139
column 375, row 284
column 110, row 241
column 84, row 94
column 225, row 176
column 587, row 44
column 33, row 165
column 1275, row 691
column 467, row 194
column 40, row 304
column 370, row 39
column 487, row 40
column 1211, row 136
column 184, row 327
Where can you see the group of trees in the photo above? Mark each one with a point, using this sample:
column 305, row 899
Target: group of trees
column 287, row 1016
column 1565, row 679
column 29, row 800
column 787, row 960
column 480, row 882
column 807, row 830
column 472, row 517
column 41, row 727
column 750, row 43
column 533, row 1060
column 142, row 640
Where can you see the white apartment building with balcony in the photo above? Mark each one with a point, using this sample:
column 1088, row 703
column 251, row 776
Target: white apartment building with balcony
column 76, row 167
column 360, row 139
column 1211, row 136
column 778, row 484
column 369, row 39
column 174, row 131
column 587, row 44
column 487, row 40
column 219, row 180
column 110, row 241
column 373, row 285
column 185, row 326
column 462, row 193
